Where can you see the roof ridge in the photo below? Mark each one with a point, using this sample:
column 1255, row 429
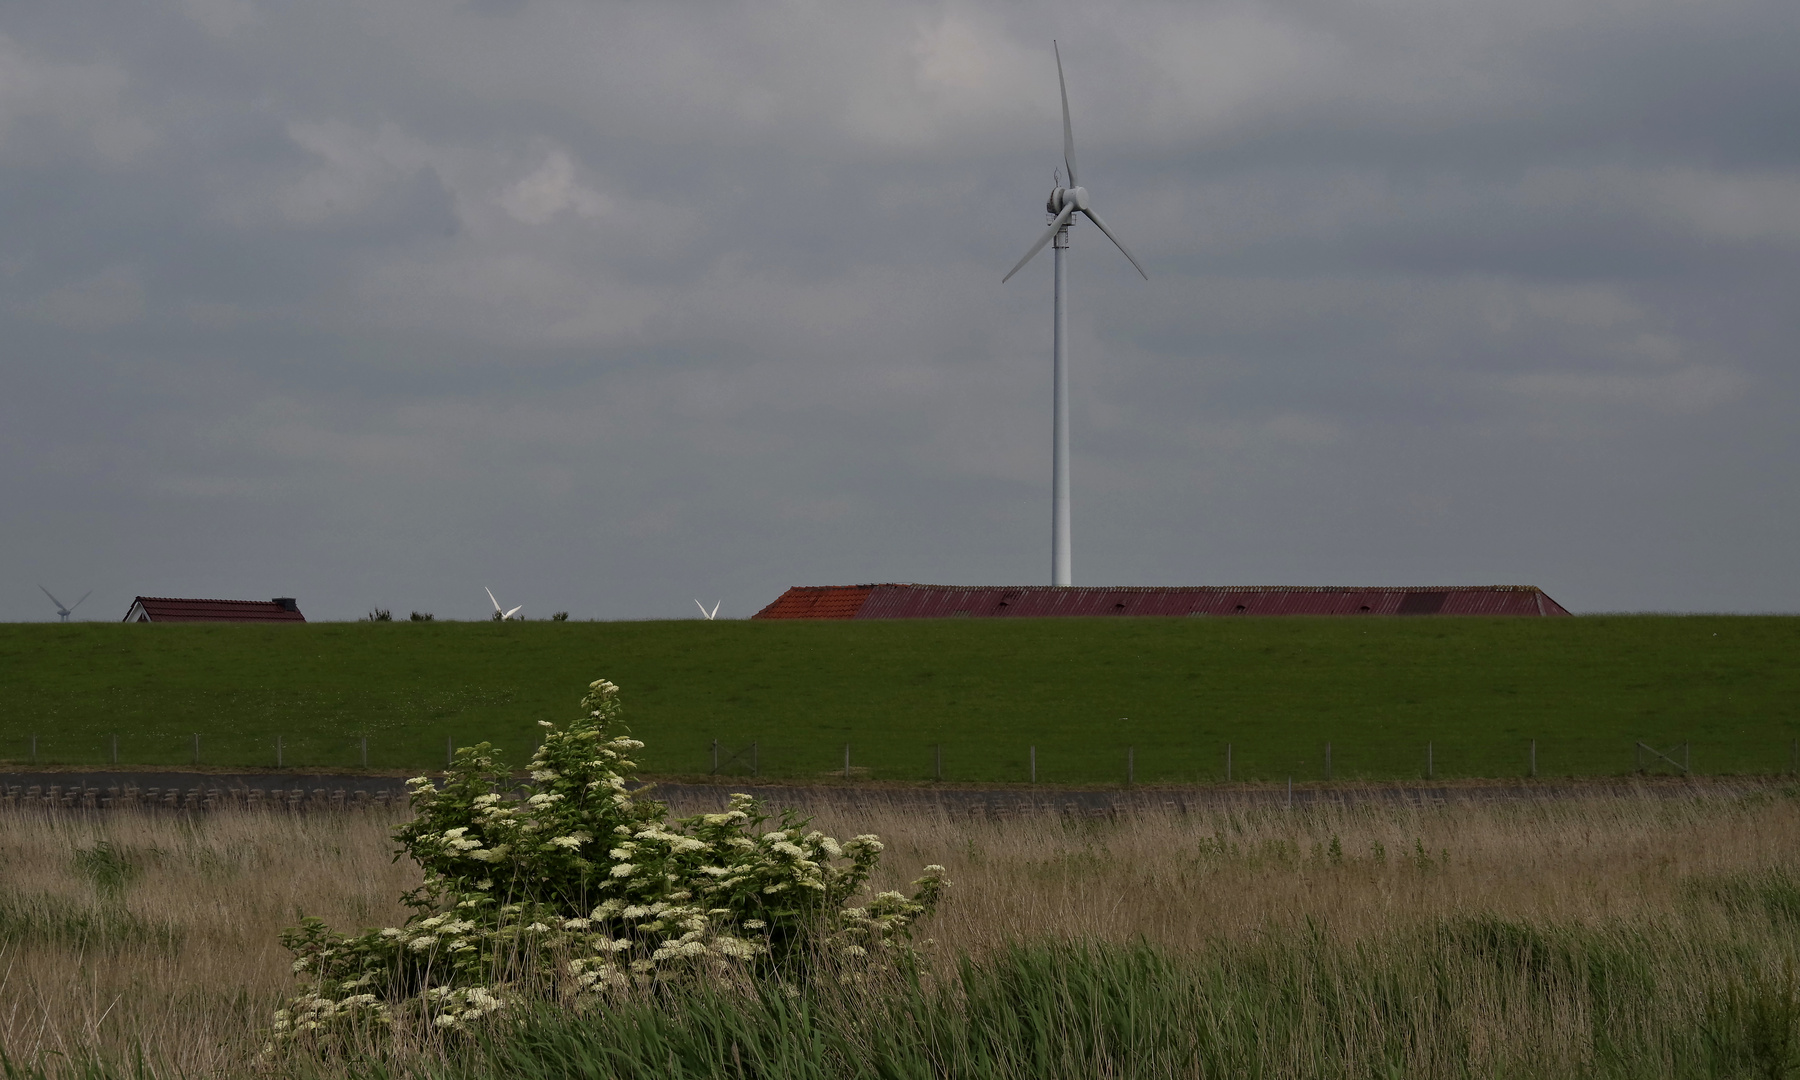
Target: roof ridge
column 1189, row 588
column 202, row 600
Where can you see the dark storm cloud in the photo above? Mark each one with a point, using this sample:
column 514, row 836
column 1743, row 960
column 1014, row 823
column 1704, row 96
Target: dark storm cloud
column 609, row 306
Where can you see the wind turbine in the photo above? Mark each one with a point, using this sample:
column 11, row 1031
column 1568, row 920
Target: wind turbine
column 1064, row 204
column 499, row 615
column 65, row 612
column 710, row 615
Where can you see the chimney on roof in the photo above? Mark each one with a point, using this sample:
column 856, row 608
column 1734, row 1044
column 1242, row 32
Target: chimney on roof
column 287, row 603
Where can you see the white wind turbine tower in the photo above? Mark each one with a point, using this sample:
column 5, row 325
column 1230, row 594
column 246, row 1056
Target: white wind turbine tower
column 710, row 615
column 65, row 612
column 504, row 615
column 1064, row 204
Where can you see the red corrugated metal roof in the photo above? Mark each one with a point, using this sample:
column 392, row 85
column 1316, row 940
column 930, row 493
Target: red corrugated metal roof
column 894, row 601
column 172, row 609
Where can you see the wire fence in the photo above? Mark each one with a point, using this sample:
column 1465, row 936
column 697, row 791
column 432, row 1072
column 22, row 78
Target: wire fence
column 1066, row 760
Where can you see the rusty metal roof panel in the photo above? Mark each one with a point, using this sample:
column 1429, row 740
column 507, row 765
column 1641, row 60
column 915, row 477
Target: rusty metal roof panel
column 817, row 602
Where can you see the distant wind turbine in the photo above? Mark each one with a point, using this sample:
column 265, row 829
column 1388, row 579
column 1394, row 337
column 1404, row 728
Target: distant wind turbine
column 498, row 614
column 1064, row 204
column 65, row 612
column 710, row 615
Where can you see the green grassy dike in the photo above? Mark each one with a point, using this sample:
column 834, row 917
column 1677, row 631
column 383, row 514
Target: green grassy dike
column 1080, row 690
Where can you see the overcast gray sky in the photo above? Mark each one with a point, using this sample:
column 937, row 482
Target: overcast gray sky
column 611, row 306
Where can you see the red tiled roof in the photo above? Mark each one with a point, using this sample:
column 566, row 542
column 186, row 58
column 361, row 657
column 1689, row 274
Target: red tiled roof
column 171, row 609
column 895, row 601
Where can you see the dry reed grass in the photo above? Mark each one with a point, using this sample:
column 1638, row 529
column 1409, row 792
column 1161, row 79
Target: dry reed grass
column 124, row 932
column 1184, row 881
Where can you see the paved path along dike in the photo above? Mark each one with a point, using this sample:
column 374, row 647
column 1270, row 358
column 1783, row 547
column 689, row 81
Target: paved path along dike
column 101, row 790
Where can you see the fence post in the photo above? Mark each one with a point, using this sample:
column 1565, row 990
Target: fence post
column 846, row 761
column 1328, row 761
column 1034, row 764
column 1130, row 765
column 755, row 762
column 278, row 761
column 937, row 764
column 34, row 749
column 115, row 749
column 196, row 748
column 1228, row 763
column 1430, row 765
column 1534, row 758
column 365, row 751
column 715, row 755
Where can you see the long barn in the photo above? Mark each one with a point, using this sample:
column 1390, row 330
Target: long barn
column 894, row 601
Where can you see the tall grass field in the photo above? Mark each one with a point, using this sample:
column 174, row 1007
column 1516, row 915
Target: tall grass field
column 1634, row 936
column 976, row 695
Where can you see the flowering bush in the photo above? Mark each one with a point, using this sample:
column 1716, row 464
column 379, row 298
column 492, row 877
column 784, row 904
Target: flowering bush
column 580, row 887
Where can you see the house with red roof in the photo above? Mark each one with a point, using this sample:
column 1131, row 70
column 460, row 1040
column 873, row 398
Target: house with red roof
column 173, row 609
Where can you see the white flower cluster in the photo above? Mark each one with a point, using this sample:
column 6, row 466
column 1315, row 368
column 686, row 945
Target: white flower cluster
column 595, row 889
column 457, row 1007
column 315, row 1015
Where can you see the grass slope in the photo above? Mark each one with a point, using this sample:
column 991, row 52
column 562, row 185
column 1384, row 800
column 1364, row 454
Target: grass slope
column 1080, row 690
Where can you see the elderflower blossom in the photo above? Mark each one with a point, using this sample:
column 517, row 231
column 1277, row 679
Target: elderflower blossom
column 676, row 889
column 736, row 948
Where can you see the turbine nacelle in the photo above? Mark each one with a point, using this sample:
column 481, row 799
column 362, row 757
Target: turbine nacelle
column 1065, row 196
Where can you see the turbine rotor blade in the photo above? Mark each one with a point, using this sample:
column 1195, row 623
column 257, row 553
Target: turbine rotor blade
column 1061, row 220
column 84, row 596
column 491, row 599
column 52, row 597
column 1068, row 132
column 714, row 613
column 1116, row 242
column 513, row 612
column 701, row 606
